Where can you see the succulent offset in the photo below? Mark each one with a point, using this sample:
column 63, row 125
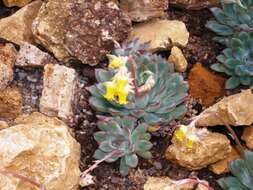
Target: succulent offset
column 243, row 174
column 139, row 84
column 124, row 139
column 237, row 61
column 232, row 18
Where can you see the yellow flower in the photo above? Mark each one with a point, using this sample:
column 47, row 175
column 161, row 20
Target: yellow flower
column 110, row 90
column 191, row 140
column 181, row 133
column 115, row 62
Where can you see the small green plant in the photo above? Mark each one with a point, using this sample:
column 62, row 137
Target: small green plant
column 139, row 84
column 242, row 171
column 234, row 17
column 124, row 139
column 237, row 61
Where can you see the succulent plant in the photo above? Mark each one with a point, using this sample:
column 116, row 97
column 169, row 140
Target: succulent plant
column 237, row 61
column 231, row 19
column 139, row 84
column 124, row 139
column 243, row 174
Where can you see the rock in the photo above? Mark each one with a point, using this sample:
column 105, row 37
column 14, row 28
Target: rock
column 10, row 103
column 3, row 125
column 83, row 30
column 142, row 10
column 58, row 95
column 8, row 56
column 248, row 137
column 178, row 59
column 31, row 56
column 194, row 4
column 162, row 34
column 17, row 27
column 222, row 166
column 205, row 86
column 212, row 148
column 19, row 3
column 234, row 110
column 42, row 149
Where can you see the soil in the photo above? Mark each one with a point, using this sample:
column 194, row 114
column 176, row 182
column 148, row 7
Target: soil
column 200, row 49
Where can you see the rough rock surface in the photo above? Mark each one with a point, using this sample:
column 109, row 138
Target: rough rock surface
column 10, row 103
column 59, row 88
column 194, row 4
column 211, row 148
column 162, row 34
column 222, row 166
column 42, row 149
column 142, row 10
column 178, row 59
column 17, row 27
column 19, row 3
column 3, row 125
column 248, row 137
column 8, row 56
column 31, row 56
column 205, row 86
column 234, row 110
column 84, row 30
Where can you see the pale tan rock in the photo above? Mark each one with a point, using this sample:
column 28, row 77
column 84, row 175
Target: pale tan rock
column 211, row 148
column 234, row 110
column 3, row 125
column 142, row 10
column 10, row 103
column 248, row 137
column 8, row 56
column 222, row 166
column 19, row 3
column 31, row 56
column 194, row 4
column 58, row 95
column 17, row 27
column 178, row 59
column 162, row 34
column 41, row 148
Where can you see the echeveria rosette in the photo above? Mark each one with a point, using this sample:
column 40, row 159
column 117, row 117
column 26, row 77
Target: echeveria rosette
column 242, row 171
column 231, row 19
column 125, row 139
column 163, row 102
column 237, row 61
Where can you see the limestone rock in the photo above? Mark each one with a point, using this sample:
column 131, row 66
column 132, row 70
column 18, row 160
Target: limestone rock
column 234, row 110
column 162, row 34
column 204, row 85
column 17, row 27
column 142, row 10
column 59, row 88
column 248, row 137
column 211, row 148
column 8, row 56
column 178, row 59
column 3, row 125
column 222, row 166
column 83, row 30
column 31, row 56
column 19, row 3
column 194, row 4
column 42, row 149
column 10, row 103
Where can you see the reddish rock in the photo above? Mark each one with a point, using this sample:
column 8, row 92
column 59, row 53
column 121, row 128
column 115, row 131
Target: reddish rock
column 19, row 3
column 204, row 85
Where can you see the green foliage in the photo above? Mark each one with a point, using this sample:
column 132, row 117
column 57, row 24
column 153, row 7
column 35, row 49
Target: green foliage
column 242, row 171
column 231, row 19
column 237, row 61
column 122, row 136
column 161, row 103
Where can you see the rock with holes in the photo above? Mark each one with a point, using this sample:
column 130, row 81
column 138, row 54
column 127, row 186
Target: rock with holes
column 8, row 55
column 17, row 27
column 142, row 10
column 42, row 149
column 59, row 90
column 83, row 30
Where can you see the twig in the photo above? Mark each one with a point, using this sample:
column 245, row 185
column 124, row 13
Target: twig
column 23, row 178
